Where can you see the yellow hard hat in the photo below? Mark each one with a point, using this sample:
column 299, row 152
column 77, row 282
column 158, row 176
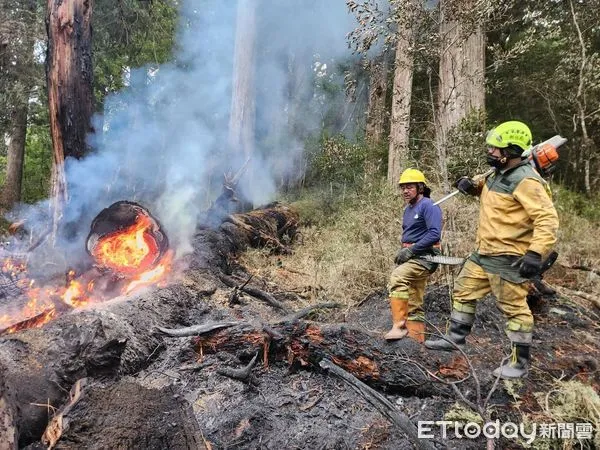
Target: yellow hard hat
column 412, row 176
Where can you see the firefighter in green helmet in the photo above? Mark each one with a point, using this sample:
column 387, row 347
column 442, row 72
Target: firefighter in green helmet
column 517, row 227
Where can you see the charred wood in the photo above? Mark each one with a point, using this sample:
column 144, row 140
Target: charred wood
column 304, row 344
column 380, row 403
column 40, row 365
column 69, row 74
column 254, row 292
column 196, row 330
column 273, row 227
column 126, row 415
column 239, row 374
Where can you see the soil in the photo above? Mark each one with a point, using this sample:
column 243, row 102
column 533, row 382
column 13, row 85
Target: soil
column 151, row 391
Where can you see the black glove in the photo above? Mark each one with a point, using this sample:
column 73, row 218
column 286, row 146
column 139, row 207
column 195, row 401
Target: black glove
column 531, row 264
column 466, row 185
column 403, row 255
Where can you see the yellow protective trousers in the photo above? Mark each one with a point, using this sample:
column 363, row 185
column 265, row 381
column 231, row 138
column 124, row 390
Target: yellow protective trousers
column 474, row 283
column 407, row 282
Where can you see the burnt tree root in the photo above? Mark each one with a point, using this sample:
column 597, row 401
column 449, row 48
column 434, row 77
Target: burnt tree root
column 304, row 345
column 103, row 343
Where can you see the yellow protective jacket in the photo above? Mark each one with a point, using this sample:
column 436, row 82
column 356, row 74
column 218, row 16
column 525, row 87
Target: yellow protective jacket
column 516, row 213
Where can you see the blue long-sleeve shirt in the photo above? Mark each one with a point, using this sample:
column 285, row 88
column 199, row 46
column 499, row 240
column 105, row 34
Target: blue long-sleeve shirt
column 422, row 225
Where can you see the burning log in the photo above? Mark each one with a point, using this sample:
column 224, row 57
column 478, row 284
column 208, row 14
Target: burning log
column 126, row 239
column 130, row 250
column 104, row 341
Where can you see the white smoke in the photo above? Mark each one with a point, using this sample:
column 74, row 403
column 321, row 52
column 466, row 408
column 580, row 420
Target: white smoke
column 162, row 141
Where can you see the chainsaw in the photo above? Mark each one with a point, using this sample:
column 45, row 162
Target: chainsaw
column 456, row 261
column 443, row 259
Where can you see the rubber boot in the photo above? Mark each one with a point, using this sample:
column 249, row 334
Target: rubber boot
column 460, row 327
column 517, row 367
column 399, row 307
column 416, row 330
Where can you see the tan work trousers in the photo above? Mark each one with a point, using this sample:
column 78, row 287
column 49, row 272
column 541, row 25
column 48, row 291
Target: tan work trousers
column 408, row 281
column 474, row 283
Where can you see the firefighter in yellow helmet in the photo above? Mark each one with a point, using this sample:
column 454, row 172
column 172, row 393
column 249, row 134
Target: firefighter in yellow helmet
column 517, row 227
column 421, row 230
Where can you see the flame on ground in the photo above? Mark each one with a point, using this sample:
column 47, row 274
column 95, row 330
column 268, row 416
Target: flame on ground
column 46, row 303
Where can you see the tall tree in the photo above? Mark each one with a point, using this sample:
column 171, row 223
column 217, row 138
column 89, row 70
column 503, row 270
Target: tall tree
column 402, row 91
column 581, row 100
column 16, row 64
column 376, row 109
column 70, row 94
column 461, row 89
column 243, row 106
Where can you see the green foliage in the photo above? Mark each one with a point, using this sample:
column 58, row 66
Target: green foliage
column 570, row 402
column 545, row 70
column 576, row 204
column 130, row 34
column 462, row 414
column 467, row 146
column 336, row 160
column 38, row 156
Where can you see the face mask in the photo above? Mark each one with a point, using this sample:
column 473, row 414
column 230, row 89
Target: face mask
column 498, row 163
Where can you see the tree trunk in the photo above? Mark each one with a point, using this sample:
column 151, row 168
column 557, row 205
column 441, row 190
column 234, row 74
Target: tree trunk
column 70, row 95
column 462, row 70
column 376, row 111
column 242, row 118
column 11, row 191
column 401, row 97
column 22, row 57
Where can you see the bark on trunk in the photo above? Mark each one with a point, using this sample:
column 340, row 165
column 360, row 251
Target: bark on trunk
column 376, row 111
column 462, row 69
column 242, row 118
column 11, row 191
column 401, row 97
column 70, row 95
column 21, row 50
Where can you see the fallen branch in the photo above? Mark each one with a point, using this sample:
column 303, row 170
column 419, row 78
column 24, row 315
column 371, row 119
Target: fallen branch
column 239, row 374
column 196, row 330
column 380, row 403
column 254, row 292
column 581, row 267
column 306, row 311
column 567, row 292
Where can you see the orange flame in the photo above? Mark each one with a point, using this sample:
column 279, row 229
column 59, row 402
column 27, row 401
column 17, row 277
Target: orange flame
column 128, row 251
column 131, row 252
column 33, row 322
column 151, row 276
column 75, row 295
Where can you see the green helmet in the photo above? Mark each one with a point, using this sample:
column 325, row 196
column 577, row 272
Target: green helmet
column 507, row 134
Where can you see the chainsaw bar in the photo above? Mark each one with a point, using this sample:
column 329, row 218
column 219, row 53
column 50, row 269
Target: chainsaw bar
column 442, row 259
